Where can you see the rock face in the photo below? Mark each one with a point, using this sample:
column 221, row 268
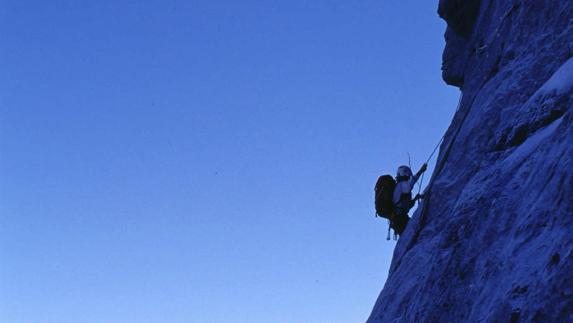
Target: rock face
column 493, row 242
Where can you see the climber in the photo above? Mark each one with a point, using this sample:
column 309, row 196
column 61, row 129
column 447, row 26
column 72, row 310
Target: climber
column 402, row 196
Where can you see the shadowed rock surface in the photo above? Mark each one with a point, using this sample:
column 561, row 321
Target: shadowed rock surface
column 494, row 240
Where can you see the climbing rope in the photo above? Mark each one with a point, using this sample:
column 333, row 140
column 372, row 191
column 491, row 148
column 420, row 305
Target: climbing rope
column 447, row 151
column 420, row 183
column 424, row 206
column 438, row 169
column 511, row 10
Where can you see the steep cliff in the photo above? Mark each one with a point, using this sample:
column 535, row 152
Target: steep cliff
column 493, row 241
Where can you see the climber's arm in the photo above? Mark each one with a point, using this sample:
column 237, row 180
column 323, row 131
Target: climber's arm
column 419, row 173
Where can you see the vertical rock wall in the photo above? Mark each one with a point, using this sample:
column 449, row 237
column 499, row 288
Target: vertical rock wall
column 494, row 240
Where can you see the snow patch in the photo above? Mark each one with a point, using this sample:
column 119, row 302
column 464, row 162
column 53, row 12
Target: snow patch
column 531, row 144
column 562, row 80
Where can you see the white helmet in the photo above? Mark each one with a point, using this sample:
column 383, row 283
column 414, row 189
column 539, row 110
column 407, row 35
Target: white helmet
column 404, row 171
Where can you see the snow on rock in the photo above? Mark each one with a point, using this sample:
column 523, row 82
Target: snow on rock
column 562, row 80
column 493, row 241
column 530, row 145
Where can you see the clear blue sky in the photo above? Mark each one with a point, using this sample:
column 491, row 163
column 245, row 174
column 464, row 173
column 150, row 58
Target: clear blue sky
column 207, row 160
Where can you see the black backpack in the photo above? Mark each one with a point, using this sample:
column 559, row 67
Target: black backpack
column 383, row 196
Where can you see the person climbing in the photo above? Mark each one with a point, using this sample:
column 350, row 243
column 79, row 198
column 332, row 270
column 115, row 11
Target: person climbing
column 393, row 197
column 402, row 196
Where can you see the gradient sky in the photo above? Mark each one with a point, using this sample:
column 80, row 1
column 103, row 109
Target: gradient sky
column 207, row 160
